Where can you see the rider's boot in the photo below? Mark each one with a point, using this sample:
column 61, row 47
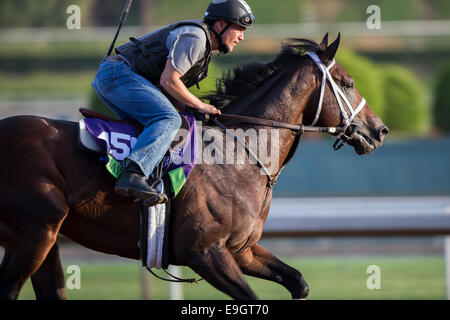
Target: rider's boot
column 133, row 183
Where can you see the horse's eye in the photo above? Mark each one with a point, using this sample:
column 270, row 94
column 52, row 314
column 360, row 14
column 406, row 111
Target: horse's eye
column 348, row 84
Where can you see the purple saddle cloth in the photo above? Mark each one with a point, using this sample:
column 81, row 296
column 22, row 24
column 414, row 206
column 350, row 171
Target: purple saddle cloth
column 117, row 140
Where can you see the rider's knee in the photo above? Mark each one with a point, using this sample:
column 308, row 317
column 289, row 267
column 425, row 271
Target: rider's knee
column 176, row 120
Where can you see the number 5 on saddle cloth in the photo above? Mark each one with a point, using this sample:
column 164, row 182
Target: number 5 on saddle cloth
column 113, row 140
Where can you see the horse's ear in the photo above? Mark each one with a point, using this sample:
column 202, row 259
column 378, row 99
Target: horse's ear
column 324, row 43
column 330, row 52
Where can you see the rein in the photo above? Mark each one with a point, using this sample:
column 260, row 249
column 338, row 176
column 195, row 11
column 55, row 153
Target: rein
column 299, row 128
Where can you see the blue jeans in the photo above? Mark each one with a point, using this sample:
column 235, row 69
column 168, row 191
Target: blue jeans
column 130, row 95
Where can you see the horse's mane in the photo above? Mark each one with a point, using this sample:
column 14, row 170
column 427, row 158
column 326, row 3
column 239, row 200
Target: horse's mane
column 246, row 78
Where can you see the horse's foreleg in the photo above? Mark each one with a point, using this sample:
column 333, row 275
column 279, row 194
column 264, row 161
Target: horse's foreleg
column 258, row 262
column 48, row 282
column 217, row 266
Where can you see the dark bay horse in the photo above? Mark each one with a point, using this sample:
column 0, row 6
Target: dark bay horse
column 49, row 185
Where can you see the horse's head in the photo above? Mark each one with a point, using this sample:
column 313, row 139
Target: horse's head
column 335, row 102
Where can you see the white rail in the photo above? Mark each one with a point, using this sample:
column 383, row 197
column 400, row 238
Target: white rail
column 367, row 216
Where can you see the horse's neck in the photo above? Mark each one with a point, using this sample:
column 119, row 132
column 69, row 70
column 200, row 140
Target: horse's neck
column 279, row 99
column 260, row 102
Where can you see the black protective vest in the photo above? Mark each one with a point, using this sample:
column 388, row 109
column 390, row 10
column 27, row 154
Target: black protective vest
column 148, row 54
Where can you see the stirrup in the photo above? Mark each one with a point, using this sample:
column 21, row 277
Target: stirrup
column 153, row 201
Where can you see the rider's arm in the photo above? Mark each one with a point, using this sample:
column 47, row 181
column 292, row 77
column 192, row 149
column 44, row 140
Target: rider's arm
column 171, row 82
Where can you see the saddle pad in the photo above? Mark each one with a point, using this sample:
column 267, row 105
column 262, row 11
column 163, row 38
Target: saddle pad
column 86, row 140
column 118, row 139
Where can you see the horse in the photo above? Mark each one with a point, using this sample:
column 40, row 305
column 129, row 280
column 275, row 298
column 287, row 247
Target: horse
column 49, row 186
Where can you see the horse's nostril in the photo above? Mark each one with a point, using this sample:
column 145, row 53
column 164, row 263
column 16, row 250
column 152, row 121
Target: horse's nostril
column 384, row 131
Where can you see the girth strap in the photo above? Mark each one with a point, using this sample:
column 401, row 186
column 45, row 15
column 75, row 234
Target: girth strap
column 272, row 180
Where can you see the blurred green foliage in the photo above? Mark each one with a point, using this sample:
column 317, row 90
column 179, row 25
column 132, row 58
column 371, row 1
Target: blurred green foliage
column 393, row 92
column 52, row 13
column 45, row 82
column 390, row 10
column 367, row 77
column 97, row 105
column 441, row 107
column 406, row 110
column 208, row 85
column 32, row 13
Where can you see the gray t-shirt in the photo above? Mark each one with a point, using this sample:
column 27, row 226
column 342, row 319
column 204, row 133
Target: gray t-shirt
column 186, row 45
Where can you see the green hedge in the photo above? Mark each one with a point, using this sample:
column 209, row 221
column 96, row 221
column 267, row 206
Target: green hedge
column 441, row 108
column 392, row 92
column 208, row 85
column 52, row 13
column 97, row 105
column 406, row 106
column 368, row 80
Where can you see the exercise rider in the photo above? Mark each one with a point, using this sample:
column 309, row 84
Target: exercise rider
column 151, row 74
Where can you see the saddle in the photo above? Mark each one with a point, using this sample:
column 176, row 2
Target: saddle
column 113, row 140
column 87, row 141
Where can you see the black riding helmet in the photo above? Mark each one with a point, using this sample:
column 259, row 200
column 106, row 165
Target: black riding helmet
column 233, row 11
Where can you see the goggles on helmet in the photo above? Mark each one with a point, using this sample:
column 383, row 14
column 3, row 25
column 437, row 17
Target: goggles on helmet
column 247, row 19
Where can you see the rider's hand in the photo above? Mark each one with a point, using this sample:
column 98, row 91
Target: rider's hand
column 207, row 108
